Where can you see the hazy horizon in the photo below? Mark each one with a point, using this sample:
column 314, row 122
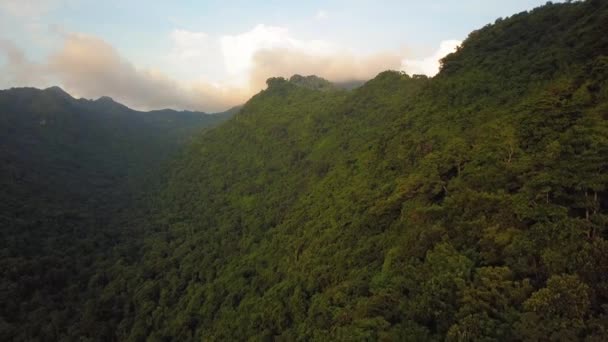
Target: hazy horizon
column 210, row 56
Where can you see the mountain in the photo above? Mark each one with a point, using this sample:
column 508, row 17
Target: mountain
column 72, row 172
column 312, row 82
column 468, row 206
column 67, row 145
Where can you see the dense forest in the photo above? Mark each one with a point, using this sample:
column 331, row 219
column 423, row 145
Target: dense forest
column 471, row 206
column 72, row 174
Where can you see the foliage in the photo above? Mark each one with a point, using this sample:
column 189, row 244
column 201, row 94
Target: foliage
column 468, row 206
column 71, row 174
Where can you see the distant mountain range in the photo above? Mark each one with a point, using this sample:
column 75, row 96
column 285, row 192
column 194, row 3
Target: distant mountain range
column 71, row 170
column 68, row 139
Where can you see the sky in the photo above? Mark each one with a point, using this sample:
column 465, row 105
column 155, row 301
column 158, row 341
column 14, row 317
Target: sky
column 211, row 55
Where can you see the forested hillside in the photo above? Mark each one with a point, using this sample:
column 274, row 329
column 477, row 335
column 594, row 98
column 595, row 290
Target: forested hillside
column 469, row 206
column 72, row 174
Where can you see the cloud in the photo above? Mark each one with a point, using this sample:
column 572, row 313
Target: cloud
column 188, row 44
column 17, row 69
column 218, row 71
column 321, row 15
column 91, row 67
column 247, row 59
column 430, row 66
column 11, row 52
column 336, row 67
column 194, row 54
column 268, row 51
column 239, row 50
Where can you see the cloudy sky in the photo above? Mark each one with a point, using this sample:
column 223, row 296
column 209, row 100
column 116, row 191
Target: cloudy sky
column 211, row 55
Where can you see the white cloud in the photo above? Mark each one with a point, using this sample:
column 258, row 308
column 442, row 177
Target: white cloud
column 430, row 66
column 239, row 50
column 194, row 55
column 229, row 59
column 322, row 15
column 188, row 44
column 247, row 59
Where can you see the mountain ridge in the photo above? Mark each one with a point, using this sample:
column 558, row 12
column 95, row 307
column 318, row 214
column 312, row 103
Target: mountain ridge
column 61, row 93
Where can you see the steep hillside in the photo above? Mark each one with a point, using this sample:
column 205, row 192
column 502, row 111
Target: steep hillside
column 469, row 206
column 72, row 174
